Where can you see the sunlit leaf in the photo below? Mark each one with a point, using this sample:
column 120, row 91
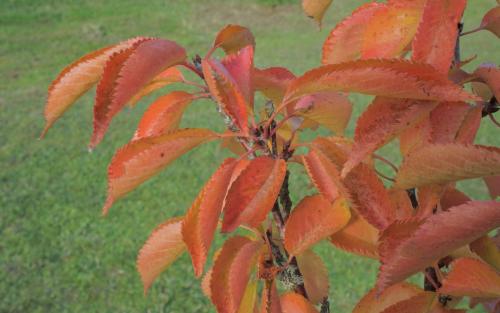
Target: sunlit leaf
column 312, row 220
column 163, row 247
column 373, row 302
column 240, row 67
column 139, row 160
column 358, row 237
column 315, row 275
column 252, row 195
column 165, row 78
column 294, row 303
column 248, row 301
column 316, row 9
column 234, row 37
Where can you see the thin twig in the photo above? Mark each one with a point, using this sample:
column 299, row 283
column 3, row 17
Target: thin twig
column 381, row 158
column 384, row 176
column 494, row 120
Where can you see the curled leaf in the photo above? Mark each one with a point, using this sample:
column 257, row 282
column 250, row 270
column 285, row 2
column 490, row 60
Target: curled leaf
column 272, row 82
column 316, row 9
column 491, row 21
column 233, row 37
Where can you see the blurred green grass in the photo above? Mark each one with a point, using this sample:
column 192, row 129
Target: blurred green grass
column 57, row 253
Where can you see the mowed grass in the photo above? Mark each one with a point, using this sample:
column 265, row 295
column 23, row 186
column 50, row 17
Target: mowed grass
column 57, row 254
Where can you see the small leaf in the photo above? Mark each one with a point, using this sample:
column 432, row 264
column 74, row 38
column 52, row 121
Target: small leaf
column 373, row 302
column 437, row 164
column 233, row 37
column 272, row 82
column 358, row 237
column 315, row 275
column 473, row 278
column 316, row 9
column 380, row 78
column 252, row 195
column 163, row 247
column 126, row 73
column 312, row 220
column 163, row 115
column 165, row 78
column 493, row 184
column 487, row 249
column 491, row 21
column 409, row 246
column 79, row 77
column 201, row 220
column 139, row 160
column 437, row 33
column 294, row 303
column 345, row 41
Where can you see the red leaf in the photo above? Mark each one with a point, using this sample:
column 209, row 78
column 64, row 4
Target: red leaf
column 390, row 78
column 490, row 74
column 225, row 90
column 294, row 303
column 346, row 39
column 358, row 237
column 473, row 278
column 491, row 21
column 410, row 246
column 201, row 219
column 493, row 184
column 233, row 37
column 240, row 67
column 163, row 247
column 316, row 9
column 416, row 136
column 382, row 121
column 373, row 302
column 315, row 276
column 446, row 120
column 312, row 220
column 270, row 299
column 272, row 82
column 79, row 77
column 139, row 160
column 437, row 34
column 163, row 115
column 165, row 78
column 252, row 195
column 437, row 164
column 126, row 73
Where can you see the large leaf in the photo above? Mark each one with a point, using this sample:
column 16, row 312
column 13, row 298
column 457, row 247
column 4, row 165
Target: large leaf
column 201, row 219
column 126, row 73
column 240, row 67
column 446, row 120
column 165, row 78
column 437, row 33
column 345, row 41
column 390, row 78
column 409, row 247
column 383, row 120
column 294, row 303
column 272, row 82
column 163, row 115
column 315, row 276
column 358, row 237
column 225, row 90
column 443, row 163
column 79, row 77
column 316, row 9
column 313, row 219
column 139, row 160
column 233, row 37
column 163, row 247
column 252, row 195
column 373, row 302
column 473, row 278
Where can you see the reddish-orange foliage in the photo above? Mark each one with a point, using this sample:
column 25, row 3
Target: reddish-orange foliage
column 411, row 216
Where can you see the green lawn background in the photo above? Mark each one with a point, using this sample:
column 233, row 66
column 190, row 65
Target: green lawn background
column 57, row 254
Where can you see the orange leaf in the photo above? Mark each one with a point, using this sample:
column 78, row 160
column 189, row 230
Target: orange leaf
column 390, row 78
column 240, row 67
column 79, row 77
column 382, row 121
column 373, row 302
column 358, row 237
column 490, row 74
column 253, row 193
column 165, row 78
column 416, row 136
column 410, row 246
column 270, row 301
column 231, row 272
column 225, row 90
column 473, row 278
column 390, row 30
column 139, row 160
column 437, row 164
column 330, row 109
column 437, row 33
column 233, row 37
column 316, row 9
column 163, row 247
column 345, row 41
column 272, row 82
column 294, row 303
column 163, row 115
column 248, row 302
column 315, row 276
column 312, row 220
column 491, row 21
column 201, row 219
column 420, row 303
column 493, row 184
column 126, row 73
column 487, row 249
